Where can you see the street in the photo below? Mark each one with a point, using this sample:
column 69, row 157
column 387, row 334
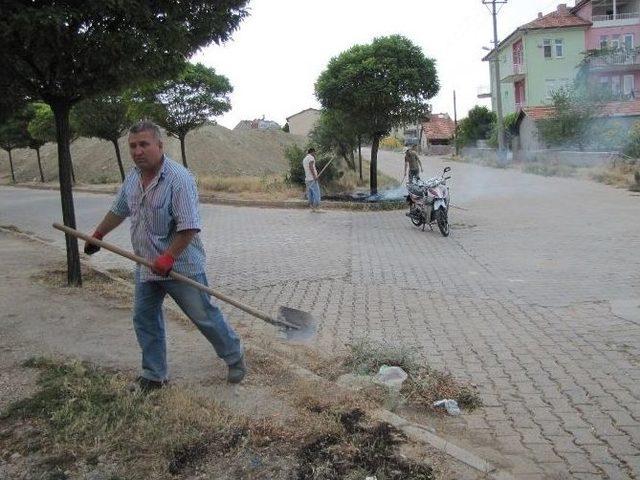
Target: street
column 534, row 298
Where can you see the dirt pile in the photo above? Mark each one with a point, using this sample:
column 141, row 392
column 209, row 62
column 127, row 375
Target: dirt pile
column 211, row 150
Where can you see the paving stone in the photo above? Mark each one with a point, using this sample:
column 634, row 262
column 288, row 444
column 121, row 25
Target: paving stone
column 523, row 313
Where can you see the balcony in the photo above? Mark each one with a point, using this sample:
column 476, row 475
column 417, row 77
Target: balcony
column 616, row 60
column 616, row 19
column 484, row 92
column 517, row 73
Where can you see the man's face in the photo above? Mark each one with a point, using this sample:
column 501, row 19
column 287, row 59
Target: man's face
column 146, row 150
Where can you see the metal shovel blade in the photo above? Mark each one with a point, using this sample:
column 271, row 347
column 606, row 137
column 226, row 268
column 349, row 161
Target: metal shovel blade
column 303, row 324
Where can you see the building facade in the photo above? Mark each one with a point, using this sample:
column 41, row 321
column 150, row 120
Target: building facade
column 303, row 122
column 599, row 36
column 615, row 33
column 538, row 58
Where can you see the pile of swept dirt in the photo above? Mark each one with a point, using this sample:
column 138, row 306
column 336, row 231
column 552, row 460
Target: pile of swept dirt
column 211, row 150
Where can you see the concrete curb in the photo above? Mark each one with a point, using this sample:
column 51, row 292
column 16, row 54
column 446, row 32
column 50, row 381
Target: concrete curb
column 283, row 204
column 418, row 433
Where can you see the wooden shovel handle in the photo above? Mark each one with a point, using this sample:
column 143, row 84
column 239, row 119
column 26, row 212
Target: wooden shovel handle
column 176, row 276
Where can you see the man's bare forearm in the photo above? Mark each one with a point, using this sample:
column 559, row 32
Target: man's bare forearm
column 109, row 222
column 180, row 242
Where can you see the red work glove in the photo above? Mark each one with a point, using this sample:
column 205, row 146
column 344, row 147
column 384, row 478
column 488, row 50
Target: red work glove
column 163, row 264
column 90, row 248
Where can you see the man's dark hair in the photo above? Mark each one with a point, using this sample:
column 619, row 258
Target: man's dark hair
column 146, row 126
column 311, row 150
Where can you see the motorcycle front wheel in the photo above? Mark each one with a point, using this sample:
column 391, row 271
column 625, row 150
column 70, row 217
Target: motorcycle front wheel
column 443, row 222
column 415, row 218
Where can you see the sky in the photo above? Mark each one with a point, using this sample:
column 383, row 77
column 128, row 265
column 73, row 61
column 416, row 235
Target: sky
column 280, row 49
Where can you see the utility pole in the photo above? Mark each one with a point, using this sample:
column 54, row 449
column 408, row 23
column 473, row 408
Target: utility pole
column 455, row 122
column 496, row 73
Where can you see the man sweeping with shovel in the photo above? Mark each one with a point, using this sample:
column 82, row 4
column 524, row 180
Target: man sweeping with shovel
column 161, row 199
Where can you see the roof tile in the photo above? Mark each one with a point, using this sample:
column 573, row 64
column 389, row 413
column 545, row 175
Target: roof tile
column 439, row 127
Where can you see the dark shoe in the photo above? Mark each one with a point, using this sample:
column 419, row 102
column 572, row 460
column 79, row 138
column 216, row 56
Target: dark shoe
column 145, row 385
column 237, row 371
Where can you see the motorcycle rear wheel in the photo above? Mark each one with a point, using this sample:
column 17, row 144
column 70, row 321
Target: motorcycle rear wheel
column 443, row 222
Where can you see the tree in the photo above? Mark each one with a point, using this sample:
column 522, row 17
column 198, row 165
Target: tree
column 42, row 129
column 186, row 102
column 13, row 134
column 103, row 117
column 63, row 52
column 285, row 127
column 478, row 125
column 379, row 86
column 571, row 120
column 333, row 133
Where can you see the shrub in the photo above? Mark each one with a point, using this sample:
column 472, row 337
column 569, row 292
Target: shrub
column 295, row 154
column 391, row 143
column 632, row 149
column 476, row 126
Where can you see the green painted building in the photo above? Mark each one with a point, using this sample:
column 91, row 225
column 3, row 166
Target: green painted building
column 538, row 58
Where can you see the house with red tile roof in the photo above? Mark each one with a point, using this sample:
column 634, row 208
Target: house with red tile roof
column 596, row 38
column 437, row 134
column 610, row 115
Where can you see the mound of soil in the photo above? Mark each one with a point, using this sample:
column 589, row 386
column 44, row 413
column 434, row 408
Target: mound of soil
column 211, row 150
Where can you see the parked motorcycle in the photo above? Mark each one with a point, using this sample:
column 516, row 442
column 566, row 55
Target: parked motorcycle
column 429, row 202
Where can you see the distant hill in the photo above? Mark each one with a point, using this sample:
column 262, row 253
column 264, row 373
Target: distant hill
column 211, row 150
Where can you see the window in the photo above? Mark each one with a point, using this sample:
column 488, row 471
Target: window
column 615, row 41
column 546, row 46
column 628, row 85
column 628, row 41
column 603, row 41
column 605, row 86
column 615, row 85
column 559, row 48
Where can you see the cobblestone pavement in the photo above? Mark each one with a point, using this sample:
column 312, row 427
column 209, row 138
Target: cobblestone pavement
column 534, row 298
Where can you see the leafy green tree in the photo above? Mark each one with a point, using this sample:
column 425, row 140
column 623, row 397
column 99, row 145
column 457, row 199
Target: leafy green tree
column 42, row 129
column 186, row 102
column 570, row 123
column 334, row 134
column 379, row 86
column 285, row 127
column 103, row 117
column 478, row 125
column 63, row 52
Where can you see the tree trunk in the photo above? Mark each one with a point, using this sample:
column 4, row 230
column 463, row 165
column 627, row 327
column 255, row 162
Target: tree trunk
column 353, row 160
column 13, row 175
column 344, row 153
column 40, row 165
column 65, row 168
column 373, row 168
column 182, row 151
column 118, row 158
column 73, row 174
column 360, row 155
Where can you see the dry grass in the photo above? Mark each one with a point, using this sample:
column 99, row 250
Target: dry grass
column 95, row 282
column 272, row 185
column 623, row 175
column 83, row 418
column 423, row 386
column 549, row 169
